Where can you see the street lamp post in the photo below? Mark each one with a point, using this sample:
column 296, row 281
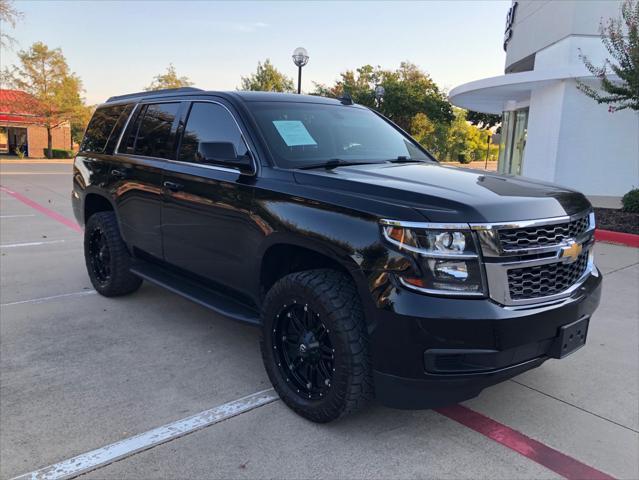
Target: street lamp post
column 379, row 96
column 488, row 138
column 300, row 58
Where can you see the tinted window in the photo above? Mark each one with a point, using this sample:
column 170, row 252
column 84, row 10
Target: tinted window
column 128, row 141
column 305, row 134
column 155, row 135
column 117, row 129
column 105, row 123
column 211, row 135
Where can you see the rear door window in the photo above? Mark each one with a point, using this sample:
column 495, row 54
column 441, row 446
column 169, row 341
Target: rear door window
column 156, row 135
column 152, row 133
column 105, row 126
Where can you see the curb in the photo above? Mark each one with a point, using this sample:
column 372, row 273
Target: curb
column 627, row 239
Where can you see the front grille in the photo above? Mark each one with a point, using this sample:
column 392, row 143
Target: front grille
column 542, row 236
column 545, row 280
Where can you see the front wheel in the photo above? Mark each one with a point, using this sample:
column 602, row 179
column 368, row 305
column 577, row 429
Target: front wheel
column 314, row 344
column 107, row 257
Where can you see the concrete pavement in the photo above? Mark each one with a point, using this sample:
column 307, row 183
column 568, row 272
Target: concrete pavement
column 80, row 371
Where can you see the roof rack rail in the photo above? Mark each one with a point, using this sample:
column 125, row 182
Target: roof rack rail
column 152, row 93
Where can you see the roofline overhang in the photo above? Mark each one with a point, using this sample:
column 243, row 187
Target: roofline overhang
column 496, row 94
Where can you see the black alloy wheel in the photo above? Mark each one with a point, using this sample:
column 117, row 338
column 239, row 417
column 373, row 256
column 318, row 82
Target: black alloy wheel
column 315, row 344
column 99, row 255
column 107, row 257
column 303, row 349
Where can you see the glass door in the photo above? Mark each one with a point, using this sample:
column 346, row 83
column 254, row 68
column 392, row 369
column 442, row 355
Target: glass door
column 514, row 129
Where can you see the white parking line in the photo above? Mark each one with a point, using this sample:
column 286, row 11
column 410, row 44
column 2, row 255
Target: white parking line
column 30, row 244
column 17, row 216
column 101, row 457
column 53, row 297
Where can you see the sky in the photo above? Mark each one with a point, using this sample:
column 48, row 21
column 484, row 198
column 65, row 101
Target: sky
column 118, row 47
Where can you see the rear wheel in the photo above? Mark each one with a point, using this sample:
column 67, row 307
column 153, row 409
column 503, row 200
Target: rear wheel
column 107, row 259
column 314, row 344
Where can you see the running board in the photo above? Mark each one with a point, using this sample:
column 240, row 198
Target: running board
column 196, row 292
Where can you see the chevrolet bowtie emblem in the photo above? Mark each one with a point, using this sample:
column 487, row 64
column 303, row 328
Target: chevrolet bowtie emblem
column 571, row 252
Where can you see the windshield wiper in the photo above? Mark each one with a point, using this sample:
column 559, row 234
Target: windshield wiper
column 335, row 162
column 402, row 159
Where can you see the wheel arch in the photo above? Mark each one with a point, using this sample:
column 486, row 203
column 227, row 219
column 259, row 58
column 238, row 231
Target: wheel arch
column 96, row 202
column 288, row 254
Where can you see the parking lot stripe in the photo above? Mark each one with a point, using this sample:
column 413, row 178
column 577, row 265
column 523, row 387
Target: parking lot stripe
column 42, row 209
column 46, row 299
column 538, row 452
column 30, row 244
column 35, row 173
column 101, row 457
column 17, row 216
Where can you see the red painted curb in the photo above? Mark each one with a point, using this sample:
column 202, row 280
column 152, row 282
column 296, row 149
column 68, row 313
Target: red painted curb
column 48, row 212
column 554, row 460
column 627, row 239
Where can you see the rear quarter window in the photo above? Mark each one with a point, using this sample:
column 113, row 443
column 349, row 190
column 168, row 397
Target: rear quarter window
column 104, row 128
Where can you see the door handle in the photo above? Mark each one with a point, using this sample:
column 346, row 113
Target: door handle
column 174, row 187
column 118, row 173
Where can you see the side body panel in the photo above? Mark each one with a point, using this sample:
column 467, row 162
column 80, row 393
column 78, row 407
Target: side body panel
column 137, row 193
column 91, row 174
column 207, row 226
column 338, row 226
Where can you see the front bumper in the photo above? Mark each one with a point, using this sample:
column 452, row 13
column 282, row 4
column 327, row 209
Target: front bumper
column 429, row 352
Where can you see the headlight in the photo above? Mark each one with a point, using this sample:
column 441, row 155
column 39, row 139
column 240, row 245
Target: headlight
column 447, row 256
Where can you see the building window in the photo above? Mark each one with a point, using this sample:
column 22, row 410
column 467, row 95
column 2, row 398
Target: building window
column 514, row 130
column 4, row 140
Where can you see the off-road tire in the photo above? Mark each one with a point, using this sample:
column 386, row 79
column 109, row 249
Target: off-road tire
column 120, row 280
column 333, row 296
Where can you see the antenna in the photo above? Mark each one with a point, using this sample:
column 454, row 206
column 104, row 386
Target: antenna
column 346, row 99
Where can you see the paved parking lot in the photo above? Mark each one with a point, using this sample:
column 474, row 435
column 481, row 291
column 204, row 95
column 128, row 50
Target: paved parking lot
column 79, row 372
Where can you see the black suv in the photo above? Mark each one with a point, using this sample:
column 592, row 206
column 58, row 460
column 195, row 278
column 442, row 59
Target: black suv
column 371, row 269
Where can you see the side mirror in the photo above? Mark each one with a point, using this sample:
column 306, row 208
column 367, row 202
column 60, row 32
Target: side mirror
column 224, row 154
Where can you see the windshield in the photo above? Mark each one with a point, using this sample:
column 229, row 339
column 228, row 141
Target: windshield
column 310, row 134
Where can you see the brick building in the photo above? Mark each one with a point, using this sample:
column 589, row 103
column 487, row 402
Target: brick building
column 22, row 128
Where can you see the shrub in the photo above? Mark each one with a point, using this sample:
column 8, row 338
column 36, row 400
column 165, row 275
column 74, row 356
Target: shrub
column 463, row 158
column 58, row 153
column 630, row 201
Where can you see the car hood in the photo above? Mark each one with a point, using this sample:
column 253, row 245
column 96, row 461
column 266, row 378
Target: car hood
column 450, row 194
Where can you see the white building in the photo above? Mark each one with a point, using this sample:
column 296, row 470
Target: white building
column 551, row 130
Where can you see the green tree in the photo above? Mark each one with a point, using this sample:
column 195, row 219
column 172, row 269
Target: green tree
column 416, row 103
column 408, row 91
column 422, row 128
column 465, row 142
column 483, row 120
column 169, row 79
column 267, row 78
column 621, row 38
column 430, row 135
column 44, row 74
column 9, row 15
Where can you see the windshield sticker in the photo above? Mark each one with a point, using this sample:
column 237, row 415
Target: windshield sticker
column 294, row 133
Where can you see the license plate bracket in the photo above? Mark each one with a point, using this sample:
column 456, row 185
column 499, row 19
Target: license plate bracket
column 571, row 338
